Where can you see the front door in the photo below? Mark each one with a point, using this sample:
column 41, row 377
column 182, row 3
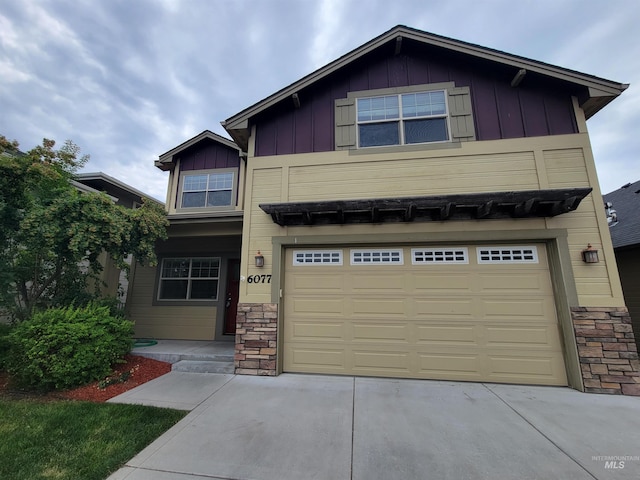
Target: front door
column 231, row 297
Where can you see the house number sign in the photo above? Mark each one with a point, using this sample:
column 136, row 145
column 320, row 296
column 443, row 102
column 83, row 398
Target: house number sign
column 259, row 279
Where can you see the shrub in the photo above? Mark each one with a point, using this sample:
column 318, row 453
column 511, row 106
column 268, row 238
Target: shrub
column 4, row 344
column 67, row 347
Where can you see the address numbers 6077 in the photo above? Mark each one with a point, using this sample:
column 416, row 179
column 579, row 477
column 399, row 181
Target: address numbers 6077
column 259, row 279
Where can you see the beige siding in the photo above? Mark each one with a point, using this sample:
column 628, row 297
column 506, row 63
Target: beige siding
column 174, row 322
column 566, row 168
column 266, row 186
column 595, row 283
column 413, row 177
column 504, row 165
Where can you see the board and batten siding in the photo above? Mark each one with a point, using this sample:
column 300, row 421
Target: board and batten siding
column 504, row 165
column 166, row 321
column 209, row 155
column 535, row 108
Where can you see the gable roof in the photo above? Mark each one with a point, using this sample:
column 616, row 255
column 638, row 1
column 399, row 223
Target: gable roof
column 166, row 160
column 626, row 202
column 598, row 91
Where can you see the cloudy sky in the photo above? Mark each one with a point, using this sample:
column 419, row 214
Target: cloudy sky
column 128, row 80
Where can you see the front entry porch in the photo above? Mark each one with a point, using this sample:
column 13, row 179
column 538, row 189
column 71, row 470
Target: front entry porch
column 195, row 356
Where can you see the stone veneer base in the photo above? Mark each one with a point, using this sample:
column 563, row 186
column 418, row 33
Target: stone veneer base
column 256, row 336
column 607, row 350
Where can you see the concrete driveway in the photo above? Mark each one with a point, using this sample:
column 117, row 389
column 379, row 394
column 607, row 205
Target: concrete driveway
column 341, row 428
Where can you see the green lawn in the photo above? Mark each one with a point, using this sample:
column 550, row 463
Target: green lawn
column 60, row 440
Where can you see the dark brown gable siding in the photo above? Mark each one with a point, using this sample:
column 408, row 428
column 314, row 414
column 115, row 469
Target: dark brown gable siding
column 535, row 108
column 207, row 155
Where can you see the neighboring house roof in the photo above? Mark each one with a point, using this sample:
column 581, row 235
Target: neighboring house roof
column 626, row 203
column 597, row 92
column 167, row 160
column 87, row 189
column 11, row 152
column 113, row 187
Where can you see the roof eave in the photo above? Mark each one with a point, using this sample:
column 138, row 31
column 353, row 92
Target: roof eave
column 107, row 179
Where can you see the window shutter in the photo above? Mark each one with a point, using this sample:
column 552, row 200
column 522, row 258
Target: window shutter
column 460, row 112
column 345, row 115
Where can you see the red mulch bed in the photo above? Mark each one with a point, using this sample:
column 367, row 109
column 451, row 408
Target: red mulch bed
column 136, row 371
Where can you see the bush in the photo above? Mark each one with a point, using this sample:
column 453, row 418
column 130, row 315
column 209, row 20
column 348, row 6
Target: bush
column 4, row 344
column 67, row 347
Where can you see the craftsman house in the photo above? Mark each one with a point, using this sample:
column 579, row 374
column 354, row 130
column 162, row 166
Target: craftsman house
column 417, row 208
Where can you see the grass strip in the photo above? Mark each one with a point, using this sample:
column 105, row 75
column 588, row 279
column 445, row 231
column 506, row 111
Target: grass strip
column 60, row 440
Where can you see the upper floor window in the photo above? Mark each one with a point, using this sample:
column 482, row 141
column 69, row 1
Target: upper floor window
column 207, row 190
column 403, row 119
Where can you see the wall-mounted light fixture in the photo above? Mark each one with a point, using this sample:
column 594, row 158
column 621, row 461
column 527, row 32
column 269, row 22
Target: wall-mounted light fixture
column 259, row 260
column 590, row 255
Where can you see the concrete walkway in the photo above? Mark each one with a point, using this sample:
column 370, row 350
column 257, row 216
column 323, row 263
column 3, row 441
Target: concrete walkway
column 343, row 428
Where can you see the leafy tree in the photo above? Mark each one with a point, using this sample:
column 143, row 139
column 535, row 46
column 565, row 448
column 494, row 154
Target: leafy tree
column 52, row 235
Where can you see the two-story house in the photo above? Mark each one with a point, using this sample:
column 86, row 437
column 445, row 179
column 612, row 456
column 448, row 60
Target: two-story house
column 418, row 208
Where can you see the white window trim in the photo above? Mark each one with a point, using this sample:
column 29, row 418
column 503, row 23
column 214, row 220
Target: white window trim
column 400, row 120
column 377, row 250
column 321, row 263
column 443, row 251
column 533, row 249
column 189, row 279
column 213, row 171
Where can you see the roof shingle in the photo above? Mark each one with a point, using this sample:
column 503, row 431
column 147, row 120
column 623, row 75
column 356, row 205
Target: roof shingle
column 626, row 202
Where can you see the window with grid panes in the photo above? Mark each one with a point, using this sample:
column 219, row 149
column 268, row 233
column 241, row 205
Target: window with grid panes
column 403, row 119
column 189, row 279
column 207, row 190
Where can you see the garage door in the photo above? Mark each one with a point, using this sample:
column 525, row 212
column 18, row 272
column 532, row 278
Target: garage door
column 477, row 313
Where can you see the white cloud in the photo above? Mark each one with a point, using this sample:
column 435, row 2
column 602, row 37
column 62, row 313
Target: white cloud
column 327, row 39
column 11, row 74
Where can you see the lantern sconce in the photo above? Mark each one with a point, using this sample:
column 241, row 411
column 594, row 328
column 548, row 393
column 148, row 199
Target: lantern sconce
column 590, row 255
column 259, row 260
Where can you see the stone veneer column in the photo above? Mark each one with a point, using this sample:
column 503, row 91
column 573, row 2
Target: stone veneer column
column 607, row 350
column 256, row 335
